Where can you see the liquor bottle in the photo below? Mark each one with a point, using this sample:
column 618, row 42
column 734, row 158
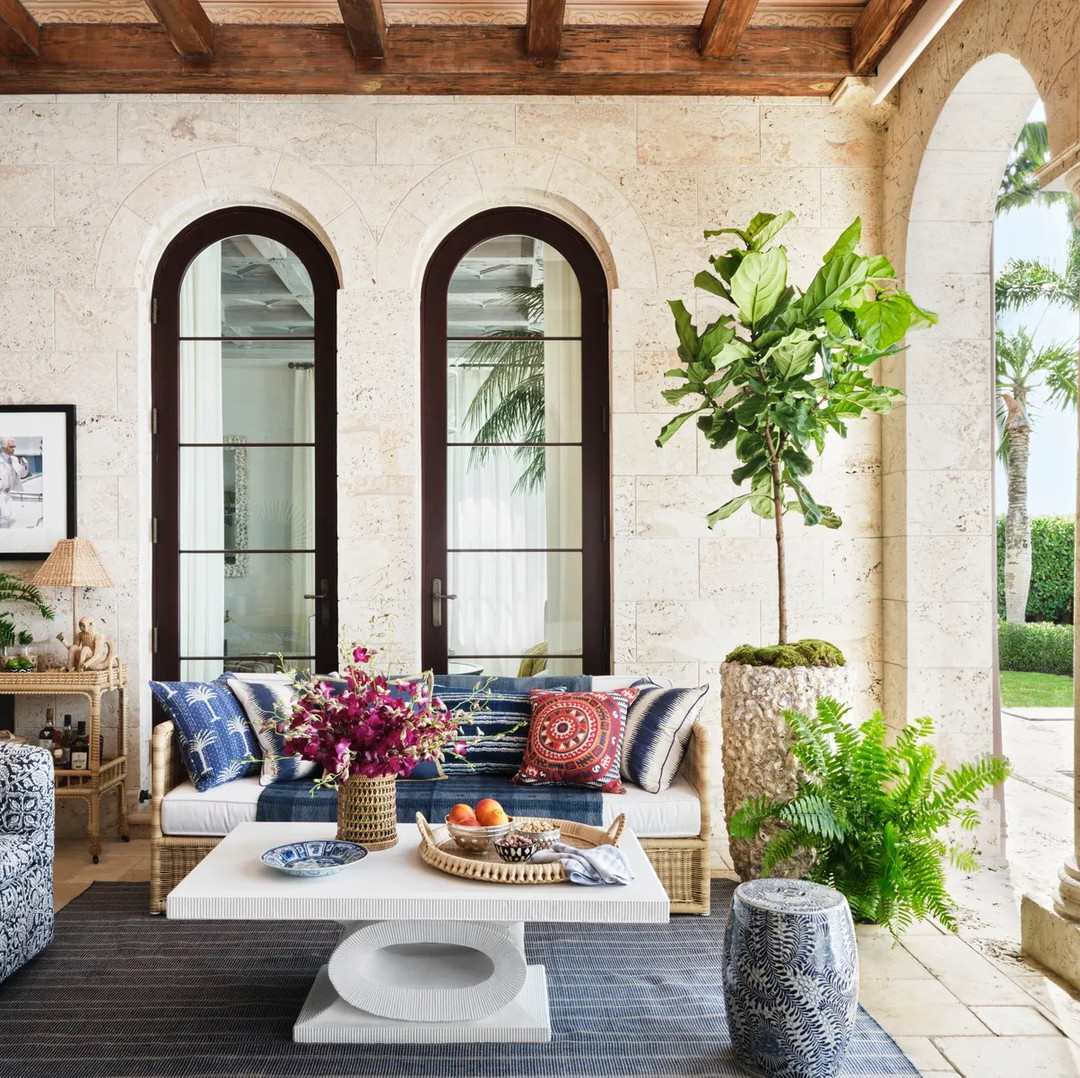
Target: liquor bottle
column 80, row 749
column 49, row 733
column 67, row 736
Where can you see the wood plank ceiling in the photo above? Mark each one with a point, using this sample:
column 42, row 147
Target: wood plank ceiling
column 732, row 49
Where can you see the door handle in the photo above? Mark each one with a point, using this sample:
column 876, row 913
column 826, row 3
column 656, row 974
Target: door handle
column 322, row 593
column 315, row 596
column 437, row 598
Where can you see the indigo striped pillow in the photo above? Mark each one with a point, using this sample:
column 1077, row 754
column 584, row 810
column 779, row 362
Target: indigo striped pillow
column 267, row 699
column 658, row 726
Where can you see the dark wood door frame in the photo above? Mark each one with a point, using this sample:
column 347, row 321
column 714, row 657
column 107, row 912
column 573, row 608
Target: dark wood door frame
column 595, row 449
column 165, row 369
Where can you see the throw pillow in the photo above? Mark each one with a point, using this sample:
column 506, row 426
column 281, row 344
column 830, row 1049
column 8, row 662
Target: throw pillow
column 267, row 700
column 216, row 741
column 575, row 739
column 658, row 726
column 494, row 721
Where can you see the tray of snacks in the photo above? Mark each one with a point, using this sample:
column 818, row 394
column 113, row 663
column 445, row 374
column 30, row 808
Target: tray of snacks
column 501, row 852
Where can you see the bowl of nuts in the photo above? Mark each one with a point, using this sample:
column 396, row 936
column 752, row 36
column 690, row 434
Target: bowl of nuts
column 542, row 832
column 514, row 848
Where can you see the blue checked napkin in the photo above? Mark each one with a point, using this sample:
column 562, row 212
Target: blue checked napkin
column 602, row 864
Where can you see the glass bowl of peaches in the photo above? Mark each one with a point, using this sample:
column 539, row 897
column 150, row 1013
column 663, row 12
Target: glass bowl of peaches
column 474, row 828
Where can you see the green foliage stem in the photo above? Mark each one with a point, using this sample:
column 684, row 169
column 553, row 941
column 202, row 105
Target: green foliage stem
column 874, row 814
column 790, row 367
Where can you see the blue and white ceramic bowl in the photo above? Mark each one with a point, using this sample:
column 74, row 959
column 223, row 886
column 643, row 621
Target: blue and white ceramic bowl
column 316, row 857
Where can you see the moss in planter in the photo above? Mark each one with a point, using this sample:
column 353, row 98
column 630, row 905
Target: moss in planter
column 787, row 656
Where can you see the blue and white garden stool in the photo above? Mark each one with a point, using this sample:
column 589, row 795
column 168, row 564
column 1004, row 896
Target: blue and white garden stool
column 791, row 978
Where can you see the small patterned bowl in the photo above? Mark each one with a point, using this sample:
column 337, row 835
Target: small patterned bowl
column 476, row 839
column 316, row 857
column 515, row 848
column 544, row 833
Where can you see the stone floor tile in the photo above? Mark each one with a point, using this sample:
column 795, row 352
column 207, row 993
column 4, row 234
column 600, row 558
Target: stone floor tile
column 970, row 976
column 923, row 1053
column 1011, row 1057
column 919, row 1008
column 880, row 960
column 1016, row 1022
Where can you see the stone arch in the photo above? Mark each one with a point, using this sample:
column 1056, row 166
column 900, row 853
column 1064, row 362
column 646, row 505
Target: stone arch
column 938, row 449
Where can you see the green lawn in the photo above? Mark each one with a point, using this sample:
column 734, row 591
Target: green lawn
column 1035, row 690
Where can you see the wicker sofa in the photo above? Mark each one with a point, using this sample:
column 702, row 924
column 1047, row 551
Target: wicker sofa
column 681, row 861
column 26, row 854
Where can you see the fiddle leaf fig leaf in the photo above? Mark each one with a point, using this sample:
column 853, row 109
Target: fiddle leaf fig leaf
column 684, row 326
column 758, row 283
column 832, row 284
column 766, row 226
column 709, row 282
column 846, row 243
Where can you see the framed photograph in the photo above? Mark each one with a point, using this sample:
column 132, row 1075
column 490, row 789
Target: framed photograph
column 37, row 478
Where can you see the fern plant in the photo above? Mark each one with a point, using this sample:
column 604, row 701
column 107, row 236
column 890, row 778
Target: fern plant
column 874, row 815
column 13, row 589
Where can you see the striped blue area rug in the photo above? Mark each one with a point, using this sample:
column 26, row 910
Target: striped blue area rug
column 120, row 994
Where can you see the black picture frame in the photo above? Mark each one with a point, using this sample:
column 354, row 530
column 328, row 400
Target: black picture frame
column 43, row 434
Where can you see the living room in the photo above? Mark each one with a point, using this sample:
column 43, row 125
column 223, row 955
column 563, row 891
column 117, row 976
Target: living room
column 349, row 326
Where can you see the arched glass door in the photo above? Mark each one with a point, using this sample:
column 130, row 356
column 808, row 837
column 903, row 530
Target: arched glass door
column 245, row 510
column 515, row 450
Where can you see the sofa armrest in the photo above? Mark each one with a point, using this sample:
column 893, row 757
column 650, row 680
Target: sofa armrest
column 695, row 769
column 166, row 770
column 27, row 804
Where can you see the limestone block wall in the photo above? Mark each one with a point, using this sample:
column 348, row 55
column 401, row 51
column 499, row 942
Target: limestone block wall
column 93, row 188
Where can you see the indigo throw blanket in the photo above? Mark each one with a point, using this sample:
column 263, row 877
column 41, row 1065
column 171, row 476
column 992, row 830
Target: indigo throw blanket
column 295, row 802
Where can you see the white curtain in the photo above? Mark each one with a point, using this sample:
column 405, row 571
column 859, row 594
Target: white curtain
column 202, row 494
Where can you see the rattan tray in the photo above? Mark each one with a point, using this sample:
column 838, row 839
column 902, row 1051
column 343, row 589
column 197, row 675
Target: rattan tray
column 440, row 851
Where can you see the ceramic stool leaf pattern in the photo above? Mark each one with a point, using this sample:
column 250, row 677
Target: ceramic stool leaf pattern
column 791, row 978
column 27, row 815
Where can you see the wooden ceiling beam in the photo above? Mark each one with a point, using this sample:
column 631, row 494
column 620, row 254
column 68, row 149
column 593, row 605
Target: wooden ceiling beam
column 879, row 25
column 543, row 29
column 723, row 26
column 132, row 58
column 20, row 35
column 366, row 26
column 188, row 26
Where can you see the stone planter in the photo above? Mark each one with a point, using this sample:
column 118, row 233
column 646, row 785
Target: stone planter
column 757, row 741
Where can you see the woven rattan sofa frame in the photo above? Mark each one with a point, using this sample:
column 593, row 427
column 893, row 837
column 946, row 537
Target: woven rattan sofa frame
column 681, row 863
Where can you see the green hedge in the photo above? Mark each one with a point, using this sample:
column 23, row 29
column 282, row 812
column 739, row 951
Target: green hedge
column 1051, row 595
column 1038, row 646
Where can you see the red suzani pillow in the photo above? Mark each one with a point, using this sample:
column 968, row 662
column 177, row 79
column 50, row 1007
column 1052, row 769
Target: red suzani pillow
column 575, row 739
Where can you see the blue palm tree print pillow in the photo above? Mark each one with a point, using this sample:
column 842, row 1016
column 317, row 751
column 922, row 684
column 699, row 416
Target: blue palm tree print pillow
column 216, row 740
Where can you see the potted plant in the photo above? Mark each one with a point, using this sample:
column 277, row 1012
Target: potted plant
column 365, row 729
column 875, row 815
column 773, row 380
column 16, row 643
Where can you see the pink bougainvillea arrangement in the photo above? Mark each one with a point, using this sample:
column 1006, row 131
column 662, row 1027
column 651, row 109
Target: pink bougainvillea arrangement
column 365, row 724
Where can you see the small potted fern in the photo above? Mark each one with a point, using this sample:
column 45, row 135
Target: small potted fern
column 775, row 380
column 872, row 818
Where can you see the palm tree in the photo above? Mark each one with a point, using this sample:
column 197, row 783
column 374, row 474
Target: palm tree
column 1019, row 187
column 1022, row 368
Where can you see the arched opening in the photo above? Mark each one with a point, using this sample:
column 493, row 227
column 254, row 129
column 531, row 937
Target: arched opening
column 244, row 478
column 516, row 472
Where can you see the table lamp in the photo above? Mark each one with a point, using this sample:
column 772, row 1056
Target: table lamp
column 74, row 563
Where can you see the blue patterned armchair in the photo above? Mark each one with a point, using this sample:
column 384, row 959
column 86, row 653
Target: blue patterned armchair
column 27, row 813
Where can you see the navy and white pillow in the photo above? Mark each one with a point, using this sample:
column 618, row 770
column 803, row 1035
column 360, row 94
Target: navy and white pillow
column 217, row 743
column 658, row 726
column 267, row 700
column 494, row 720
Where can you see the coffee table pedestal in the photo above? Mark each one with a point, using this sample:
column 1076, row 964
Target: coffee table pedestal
column 427, row 982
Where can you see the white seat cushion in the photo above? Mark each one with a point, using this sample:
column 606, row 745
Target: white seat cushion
column 187, row 813
column 672, row 813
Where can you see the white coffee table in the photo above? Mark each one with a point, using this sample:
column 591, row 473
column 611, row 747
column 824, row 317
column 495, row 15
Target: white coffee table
column 424, row 957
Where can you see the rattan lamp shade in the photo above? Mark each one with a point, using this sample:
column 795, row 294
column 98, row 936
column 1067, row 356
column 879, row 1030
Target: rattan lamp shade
column 74, row 563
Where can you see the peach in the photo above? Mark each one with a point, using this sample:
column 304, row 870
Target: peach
column 461, row 814
column 490, row 813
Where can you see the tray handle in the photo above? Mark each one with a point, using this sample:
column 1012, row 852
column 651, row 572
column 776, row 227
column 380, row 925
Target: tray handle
column 615, row 829
column 425, row 828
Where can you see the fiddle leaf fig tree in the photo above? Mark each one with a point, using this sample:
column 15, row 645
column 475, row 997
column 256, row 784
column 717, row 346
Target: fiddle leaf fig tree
column 788, row 368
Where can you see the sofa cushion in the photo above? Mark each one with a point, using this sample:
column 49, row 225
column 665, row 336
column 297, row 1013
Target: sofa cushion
column 658, row 727
column 675, row 813
column 575, row 739
column 217, row 743
column 267, row 700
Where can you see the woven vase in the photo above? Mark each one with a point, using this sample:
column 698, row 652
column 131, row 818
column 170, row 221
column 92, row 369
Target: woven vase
column 367, row 812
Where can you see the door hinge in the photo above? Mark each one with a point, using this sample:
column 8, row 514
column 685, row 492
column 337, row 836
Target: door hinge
column 153, row 640
column 153, row 530
column 153, row 421
column 153, row 311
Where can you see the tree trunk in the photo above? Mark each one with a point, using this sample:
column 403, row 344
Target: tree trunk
column 1017, row 524
column 781, row 567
